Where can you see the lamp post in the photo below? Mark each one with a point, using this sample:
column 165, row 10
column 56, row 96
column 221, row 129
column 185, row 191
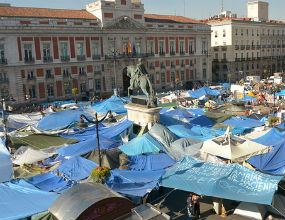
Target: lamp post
column 115, row 53
column 81, row 124
column 4, row 121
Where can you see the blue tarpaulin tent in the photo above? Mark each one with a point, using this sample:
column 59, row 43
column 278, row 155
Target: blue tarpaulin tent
column 203, row 92
column 150, row 162
column 238, row 122
column 75, row 168
column 179, row 114
column 115, row 104
column 60, row 120
column 87, row 146
column 272, row 162
column 6, row 166
column 49, row 182
column 196, row 111
column 247, row 98
column 113, row 131
column 195, row 132
column 144, row 144
column 19, row 202
column 228, row 181
column 203, row 121
column 134, row 183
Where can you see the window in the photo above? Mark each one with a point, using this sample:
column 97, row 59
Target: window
column 82, row 71
column 191, row 74
column 216, row 33
column 252, row 65
column 4, row 92
column 2, row 53
column 161, row 47
column 83, row 87
column 204, row 47
column 65, row 72
column 31, row 75
column 236, row 31
column 216, row 56
column 191, row 47
column 252, row 54
column 224, row 56
column 257, row 32
column 172, row 64
column 204, row 74
column 252, row 32
column 191, row 63
column 224, row 33
column 247, row 32
column 67, row 88
column 182, row 63
column 241, row 32
column 172, row 47
column 3, row 77
column 63, row 49
column 182, row 47
column 241, row 55
column 46, row 51
column 137, row 48
column 236, row 55
column 95, row 49
column 49, row 75
column 182, row 75
column 150, row 47
column 162, row 78
column 50, row 90
column 98, row 84
column 113, row 83
column 28, row 52
column 80, row 49
column 172, row 76
column 32, row 92
column 257, row 54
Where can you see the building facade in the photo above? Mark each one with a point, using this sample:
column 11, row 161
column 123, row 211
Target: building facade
column 247, row 46
column 47, row 52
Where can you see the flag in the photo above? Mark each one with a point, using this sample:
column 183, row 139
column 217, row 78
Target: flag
column 124, row 48
column 134, row 49
column 130, row 47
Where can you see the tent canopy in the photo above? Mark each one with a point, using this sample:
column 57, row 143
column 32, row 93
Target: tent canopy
column 243, row 122
column 203, row 92
column 233, row 148
column 6, row 166
column 228, row 181
column 272, row 162
column 115, row 104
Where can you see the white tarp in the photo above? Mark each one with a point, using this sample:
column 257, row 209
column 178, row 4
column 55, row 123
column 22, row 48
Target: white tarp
column 6, row 171
column 233, row 148
column 250, row 210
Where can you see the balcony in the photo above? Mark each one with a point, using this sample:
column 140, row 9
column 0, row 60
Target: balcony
column 29, row 60
column 224, row 60
column 151, row 54
column 237, row 59
column 258, row 58
column 162, row 66
column 97, row 72
column 242, row 47
column 4, row 80
column 48, row 59
column 237, row 47
column 274, row 46
column 66, row 75
column 65, row 58
column 182, row 65
column 49, row 76
column 263, row 46
column 216, row 60
column 191, row 51
column 96, row 57
column 182, row 52
column 268, row 46
column 253, row 47
column 3, row 61
column 279, row 46
column 242, row 59
column 204, row 52
column 126, row 56
column 161, row 53
column 248, row 58
column 31, row 78
column 247, row 47
column 224, row 48
column 204, row 63
column 172, row 66
column 82, row 73
column 216, row 49
column 81, row 57
column 258, row 47
column 172, row 53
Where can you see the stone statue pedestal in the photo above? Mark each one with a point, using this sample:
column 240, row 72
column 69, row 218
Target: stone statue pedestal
column 141, row 115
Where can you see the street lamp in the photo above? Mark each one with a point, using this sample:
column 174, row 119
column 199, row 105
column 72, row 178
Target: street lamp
column 81, row 125
column 4, row 120
column 115, row 53
column 274, row 89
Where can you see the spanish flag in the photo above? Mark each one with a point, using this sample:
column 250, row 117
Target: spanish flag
column 130, row 47
column 124, row 48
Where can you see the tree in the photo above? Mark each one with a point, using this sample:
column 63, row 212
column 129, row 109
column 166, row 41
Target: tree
column 75, row 92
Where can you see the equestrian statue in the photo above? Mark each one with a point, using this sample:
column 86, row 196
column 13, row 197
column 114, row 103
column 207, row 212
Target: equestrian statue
column 140, row 79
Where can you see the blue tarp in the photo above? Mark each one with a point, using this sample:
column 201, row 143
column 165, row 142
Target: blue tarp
column 195, row 132
column 113, row 131
column 179, row 114
column 168, row 121
column 60, row 120
column 203, row 92
column 282, row 93
column 272, row 162
column 203, row 121
column 75, row 168
column 228, row 181
column 247, row 98
column 196, row 111
column 144, row 144
column 6, row 166
column 87, row 146
column 19, row 202
column 115, row 104
column 164, row 110
column 49, row 182
column 248, row 123
column 135, row 183
column 150, row 162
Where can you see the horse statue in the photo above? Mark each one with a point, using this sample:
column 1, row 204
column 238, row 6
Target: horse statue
column 140, row 79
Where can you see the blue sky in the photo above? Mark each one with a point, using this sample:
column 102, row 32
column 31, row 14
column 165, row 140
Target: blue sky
column 199, row 9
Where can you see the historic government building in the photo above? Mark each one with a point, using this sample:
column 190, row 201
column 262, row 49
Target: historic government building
column 44, row 53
